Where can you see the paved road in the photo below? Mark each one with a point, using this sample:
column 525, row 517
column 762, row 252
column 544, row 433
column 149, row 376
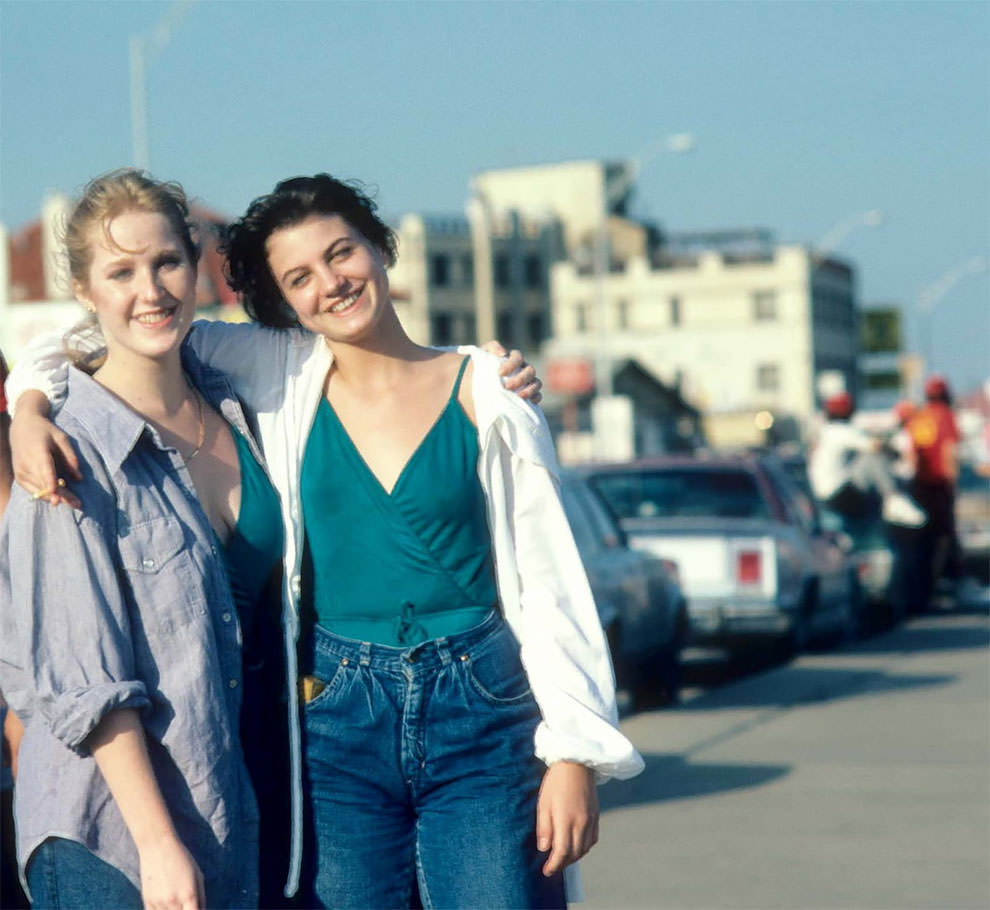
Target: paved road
column 857, row 779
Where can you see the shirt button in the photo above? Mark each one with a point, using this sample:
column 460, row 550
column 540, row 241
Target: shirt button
column 226, row 617
column 148, row 563
column 232, row 684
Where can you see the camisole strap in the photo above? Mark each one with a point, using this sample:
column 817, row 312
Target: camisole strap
column 460, row 376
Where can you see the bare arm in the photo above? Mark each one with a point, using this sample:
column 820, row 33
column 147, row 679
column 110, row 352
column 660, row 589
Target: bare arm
column 566, row 814
column 170, row 877
column 42, row 455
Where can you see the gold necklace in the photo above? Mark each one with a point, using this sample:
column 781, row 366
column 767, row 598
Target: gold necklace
column 202, row 430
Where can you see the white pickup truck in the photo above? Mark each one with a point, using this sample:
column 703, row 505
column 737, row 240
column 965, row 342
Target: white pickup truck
column 753, row 562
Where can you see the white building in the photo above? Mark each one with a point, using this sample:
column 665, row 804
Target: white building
column 741, row 333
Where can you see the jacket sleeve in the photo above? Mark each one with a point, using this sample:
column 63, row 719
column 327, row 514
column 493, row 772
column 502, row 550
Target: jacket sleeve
column 68, row 636
column 554, row 616
column 42, row 365
column 253, row 357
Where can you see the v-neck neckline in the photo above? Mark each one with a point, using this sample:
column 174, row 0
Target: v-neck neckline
column 389, row 493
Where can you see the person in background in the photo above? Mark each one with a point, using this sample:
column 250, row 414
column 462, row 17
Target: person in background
column 11, row 895
column 848, row 473
column 936, row 438
column 900, row 446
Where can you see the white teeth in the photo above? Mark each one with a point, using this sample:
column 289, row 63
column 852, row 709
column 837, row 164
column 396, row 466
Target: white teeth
column 155, row 316
column 345, row 303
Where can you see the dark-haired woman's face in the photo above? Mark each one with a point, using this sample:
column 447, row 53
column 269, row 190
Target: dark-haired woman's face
column 331, row 275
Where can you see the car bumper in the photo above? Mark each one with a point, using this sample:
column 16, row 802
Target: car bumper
column 715, row 619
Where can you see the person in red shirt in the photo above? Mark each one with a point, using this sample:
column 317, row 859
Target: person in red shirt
column 935, row 437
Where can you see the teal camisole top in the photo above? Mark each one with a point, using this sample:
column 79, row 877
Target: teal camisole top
column 400, row 567
column 254, row 549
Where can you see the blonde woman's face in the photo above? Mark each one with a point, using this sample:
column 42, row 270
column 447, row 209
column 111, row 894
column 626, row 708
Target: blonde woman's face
column 141, row 285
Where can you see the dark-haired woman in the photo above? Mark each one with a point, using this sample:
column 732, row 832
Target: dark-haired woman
column 458, row 700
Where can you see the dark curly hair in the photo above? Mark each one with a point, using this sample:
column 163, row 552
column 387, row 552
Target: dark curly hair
column 291, row 202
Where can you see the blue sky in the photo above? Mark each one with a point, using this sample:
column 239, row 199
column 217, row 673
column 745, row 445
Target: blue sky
column 805, row 113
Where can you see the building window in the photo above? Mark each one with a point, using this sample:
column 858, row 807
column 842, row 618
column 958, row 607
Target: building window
column 533, row 272
column 500, row 267
column 470, row 329
column 534, row 325
column 622, row 314
column 675, row 310
column 503, row 329
column 467, row 270
column 442, row 328
column 765, row 306
column 440, row 270
column 581, row 317
column 768, row 377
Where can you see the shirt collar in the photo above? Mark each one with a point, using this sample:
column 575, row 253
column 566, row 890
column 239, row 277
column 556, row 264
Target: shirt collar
column 115, row 429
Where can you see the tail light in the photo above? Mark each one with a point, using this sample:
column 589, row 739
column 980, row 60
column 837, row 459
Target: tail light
column 749, row 567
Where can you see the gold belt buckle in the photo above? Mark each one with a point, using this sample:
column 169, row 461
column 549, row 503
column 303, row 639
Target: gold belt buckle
column 309, row 688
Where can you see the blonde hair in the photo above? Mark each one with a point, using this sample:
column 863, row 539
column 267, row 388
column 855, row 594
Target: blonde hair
column 104, row 198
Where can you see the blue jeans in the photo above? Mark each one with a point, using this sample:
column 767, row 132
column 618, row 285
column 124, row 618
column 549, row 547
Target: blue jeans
column 64, row 875
column 420, row 774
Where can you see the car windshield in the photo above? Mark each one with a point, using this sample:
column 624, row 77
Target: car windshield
column 683, row 493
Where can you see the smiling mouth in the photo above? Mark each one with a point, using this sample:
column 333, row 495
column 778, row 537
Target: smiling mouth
column 158, row 316
column 346, row 303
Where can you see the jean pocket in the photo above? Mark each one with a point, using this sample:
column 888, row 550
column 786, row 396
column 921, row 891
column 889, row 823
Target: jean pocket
column 496, row 671
column 319, row 690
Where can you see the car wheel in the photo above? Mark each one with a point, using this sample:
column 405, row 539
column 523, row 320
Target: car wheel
column 669, row 669
column 798, row 637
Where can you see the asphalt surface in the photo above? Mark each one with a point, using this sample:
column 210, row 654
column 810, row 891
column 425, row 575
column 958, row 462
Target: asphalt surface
column 856, row 778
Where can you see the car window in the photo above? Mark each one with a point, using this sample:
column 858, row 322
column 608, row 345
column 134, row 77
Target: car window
column 683, row 493
column 604, row 524
column 799, row 506
column 970, row 480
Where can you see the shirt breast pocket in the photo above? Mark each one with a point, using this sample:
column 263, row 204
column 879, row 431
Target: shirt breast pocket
column 158, row 570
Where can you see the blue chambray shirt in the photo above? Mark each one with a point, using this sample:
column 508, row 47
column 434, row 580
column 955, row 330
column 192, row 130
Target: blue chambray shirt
column 127, row 605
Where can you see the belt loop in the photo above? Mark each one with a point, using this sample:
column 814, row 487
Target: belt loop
column 364, row 654
column 443, row 649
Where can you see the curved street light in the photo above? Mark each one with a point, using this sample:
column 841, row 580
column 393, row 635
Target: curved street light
column 933, row 293
column 841, row 229
column 142, row 48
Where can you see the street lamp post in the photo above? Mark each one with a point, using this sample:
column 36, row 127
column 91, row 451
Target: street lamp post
column 932, row 294
column 142, row 47
column 838, row 232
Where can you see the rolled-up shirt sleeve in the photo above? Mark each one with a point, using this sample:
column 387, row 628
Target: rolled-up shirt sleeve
column 70, row 635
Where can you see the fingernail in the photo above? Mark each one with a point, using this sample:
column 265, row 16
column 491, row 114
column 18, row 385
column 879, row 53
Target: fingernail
column 542, row 845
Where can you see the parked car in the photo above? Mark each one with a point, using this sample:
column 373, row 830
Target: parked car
column 876, row 551
column 639, row 600
column 754, row 562
column 973, row 520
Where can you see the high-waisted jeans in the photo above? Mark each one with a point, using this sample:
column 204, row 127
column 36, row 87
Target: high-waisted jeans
column 420, row 774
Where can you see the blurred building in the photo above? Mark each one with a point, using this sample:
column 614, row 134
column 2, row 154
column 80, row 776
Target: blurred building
column 35, row 290
column 740, row 325
column 461, row 279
